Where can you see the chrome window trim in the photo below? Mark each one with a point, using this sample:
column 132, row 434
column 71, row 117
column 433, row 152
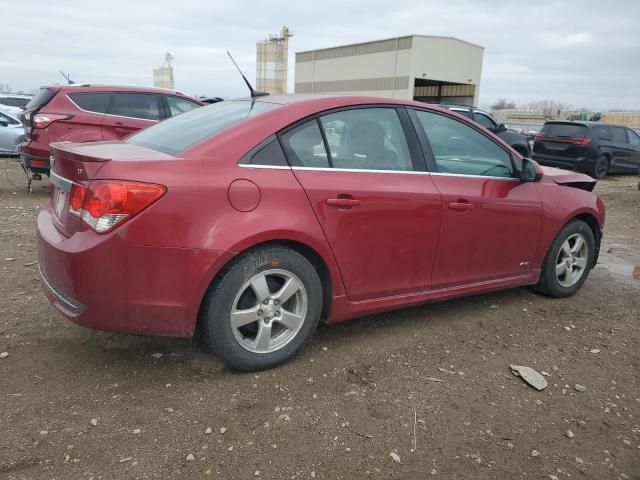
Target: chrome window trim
column 363, row 170
column 269, row 167
column 441, row 174
column 110, row 114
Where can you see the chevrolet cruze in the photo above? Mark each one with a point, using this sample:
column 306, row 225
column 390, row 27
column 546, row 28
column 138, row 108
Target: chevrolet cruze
column 249, row 221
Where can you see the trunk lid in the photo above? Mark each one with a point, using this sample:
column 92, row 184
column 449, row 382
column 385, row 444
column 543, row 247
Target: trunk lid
column 77, row 164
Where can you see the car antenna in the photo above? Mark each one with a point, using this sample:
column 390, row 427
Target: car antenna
column 254, row 93
column 67, row 77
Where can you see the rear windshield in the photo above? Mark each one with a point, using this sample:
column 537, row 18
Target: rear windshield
column 14, row 101
column 179, row 133
column 41, row 98
column 568, row 130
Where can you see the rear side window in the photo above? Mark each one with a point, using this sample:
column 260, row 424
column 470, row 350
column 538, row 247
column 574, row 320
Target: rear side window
column 634, row 138
column 136, row 105
column 179, row 105
column 267, row 153
column 618, row 135
column 304, row 146
column 367, row 139
column 91, row 102
column 564, row 130
column 184, row 131
column 42, row 98
column 603, row 133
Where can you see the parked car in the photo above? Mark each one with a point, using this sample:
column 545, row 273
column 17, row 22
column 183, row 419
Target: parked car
column 248, row 221
column 518, row 141
column 596, row 148
column 11, row 132
column 15, row 100
column 87, row 113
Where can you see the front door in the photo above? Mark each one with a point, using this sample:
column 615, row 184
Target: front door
column 378, row 208
column 490, row 220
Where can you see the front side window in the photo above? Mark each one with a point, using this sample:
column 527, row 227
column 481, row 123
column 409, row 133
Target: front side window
column 305, row 147
column 91, row 102
column 367, row 139
column 184, row 131
column 634, row 138
column 179, row 105
column 136, row 105
column 460, row 149
column 618, row 135
column 485, row 121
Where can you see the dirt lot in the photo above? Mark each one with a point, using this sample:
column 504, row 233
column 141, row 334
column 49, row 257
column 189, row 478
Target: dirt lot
column 431, row 384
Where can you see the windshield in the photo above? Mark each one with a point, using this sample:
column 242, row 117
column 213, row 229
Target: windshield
column 179, row 133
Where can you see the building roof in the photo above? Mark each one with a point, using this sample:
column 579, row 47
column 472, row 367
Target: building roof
column 392, row 38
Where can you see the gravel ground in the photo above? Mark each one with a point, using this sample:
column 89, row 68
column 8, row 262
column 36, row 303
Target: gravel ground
column 417, row 393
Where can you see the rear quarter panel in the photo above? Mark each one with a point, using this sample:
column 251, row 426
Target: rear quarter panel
column 195, row 213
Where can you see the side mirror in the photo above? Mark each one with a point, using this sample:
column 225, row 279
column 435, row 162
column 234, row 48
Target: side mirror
column 3, row 123
column 502, row 128
column 531, row 171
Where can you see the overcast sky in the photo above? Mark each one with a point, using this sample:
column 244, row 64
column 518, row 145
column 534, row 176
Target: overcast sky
column 586, row 53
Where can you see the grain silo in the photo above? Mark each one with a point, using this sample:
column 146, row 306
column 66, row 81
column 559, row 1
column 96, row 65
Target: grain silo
column 272, row 62
column 163, row 75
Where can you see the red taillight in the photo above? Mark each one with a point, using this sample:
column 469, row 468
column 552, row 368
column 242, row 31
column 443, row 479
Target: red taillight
column 107, row 202
column 574, row 141
column 43, row 120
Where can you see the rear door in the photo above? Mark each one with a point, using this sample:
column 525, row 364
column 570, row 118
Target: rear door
column 490, row 220
column 622, row 153
column 367, row 184
column 634, row 146
column 129, row 112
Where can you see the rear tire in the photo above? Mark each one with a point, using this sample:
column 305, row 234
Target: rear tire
column 568, row 261
column 600, row 167
column 262, row 309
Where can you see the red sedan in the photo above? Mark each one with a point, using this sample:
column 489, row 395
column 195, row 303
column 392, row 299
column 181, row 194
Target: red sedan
column 249, row 221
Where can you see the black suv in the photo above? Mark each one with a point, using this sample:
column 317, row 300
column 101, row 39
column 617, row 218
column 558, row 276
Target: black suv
column 518, row 142
column 595, row 148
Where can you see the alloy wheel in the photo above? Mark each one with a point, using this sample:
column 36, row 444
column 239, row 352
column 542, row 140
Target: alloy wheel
column 572, row 259
column 269, row 311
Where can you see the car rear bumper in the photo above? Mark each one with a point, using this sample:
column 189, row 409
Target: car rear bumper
column 104, row 282
column 580, row 164
column 35, row 163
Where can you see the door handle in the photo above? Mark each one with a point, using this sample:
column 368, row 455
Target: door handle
column 343, row 202
column 461, row 205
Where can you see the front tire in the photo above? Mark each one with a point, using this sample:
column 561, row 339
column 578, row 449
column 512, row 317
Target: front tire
column 568, row 261
column 262, row 309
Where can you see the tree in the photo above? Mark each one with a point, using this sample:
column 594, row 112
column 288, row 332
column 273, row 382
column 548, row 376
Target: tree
column 503, row 104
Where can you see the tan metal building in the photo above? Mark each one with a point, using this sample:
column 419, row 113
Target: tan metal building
column 272, row 57
column 425, row 68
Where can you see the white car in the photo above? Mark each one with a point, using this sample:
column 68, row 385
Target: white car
column 15, row 100
column 11, row 131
